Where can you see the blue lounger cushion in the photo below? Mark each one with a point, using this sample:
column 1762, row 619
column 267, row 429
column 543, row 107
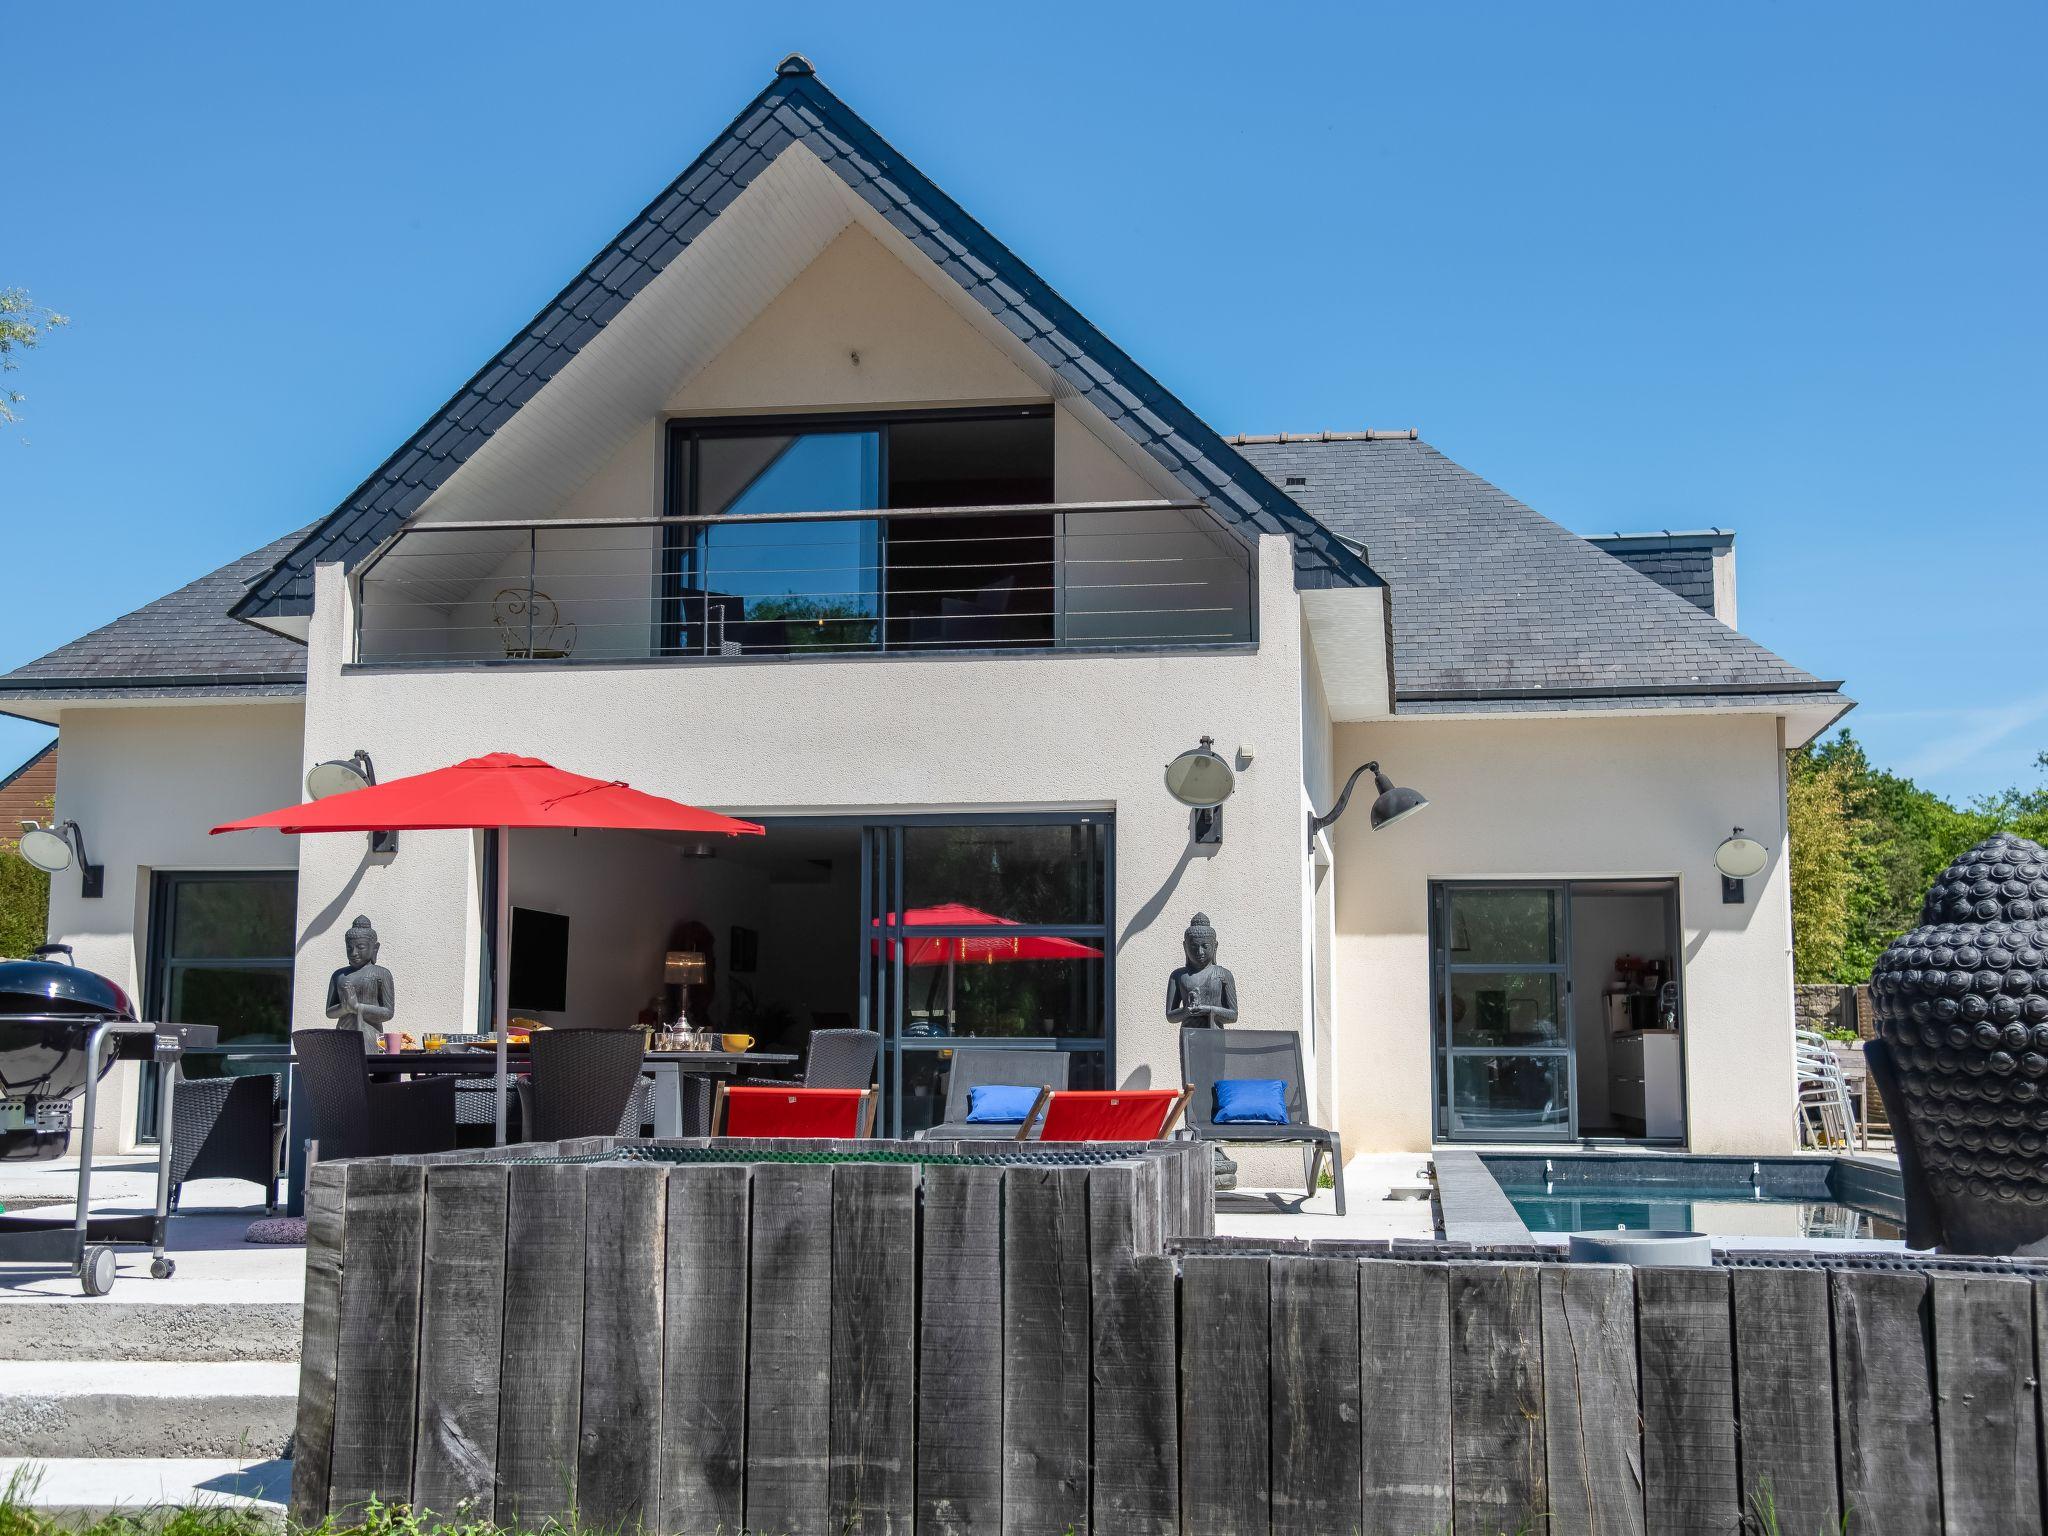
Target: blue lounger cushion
column 1250, row 1101
column 1000, row 1104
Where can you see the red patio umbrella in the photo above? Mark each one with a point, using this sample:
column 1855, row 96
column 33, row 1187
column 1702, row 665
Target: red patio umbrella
column 987, row 948
column 496, row 792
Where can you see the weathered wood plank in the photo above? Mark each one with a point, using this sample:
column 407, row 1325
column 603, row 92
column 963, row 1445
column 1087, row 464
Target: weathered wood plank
column 1884, row 1403
column 618, row 1462
column 1317, row 1407
column 789, row 1364
column 540, row 1381
column 960, row 1346
column 462, row 1327
column 1045, row 1350
column 1404, row 1312
column 1136, row 1417
column 377, row 1358
column 1985, row 1403
column 874, row 1349
column 1784, row 1395
column 1685, row 1332
column 320, row 1335
column 704, row 1363
column 1225, row 1387
column 1592, row 1417
column 1497, row 1467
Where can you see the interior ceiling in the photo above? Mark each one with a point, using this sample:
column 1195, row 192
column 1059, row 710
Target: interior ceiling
column 683, row 319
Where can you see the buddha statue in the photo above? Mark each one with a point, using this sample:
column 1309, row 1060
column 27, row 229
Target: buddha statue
column 359, row 995
column 1201, row 994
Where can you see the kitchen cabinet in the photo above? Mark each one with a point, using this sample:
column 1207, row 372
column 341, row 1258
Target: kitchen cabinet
column 1645, row 1081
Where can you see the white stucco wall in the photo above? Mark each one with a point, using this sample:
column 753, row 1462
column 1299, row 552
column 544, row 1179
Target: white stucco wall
column 145, row 784
column 1514, row 798
column 849, row 736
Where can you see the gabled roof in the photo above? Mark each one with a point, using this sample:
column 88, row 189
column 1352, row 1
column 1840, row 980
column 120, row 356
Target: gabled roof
column 797, row 109
column 25, row 790
column 1497, row 608
column 174, row 647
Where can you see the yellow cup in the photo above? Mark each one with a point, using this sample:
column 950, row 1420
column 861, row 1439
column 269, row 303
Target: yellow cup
column 737, row 1042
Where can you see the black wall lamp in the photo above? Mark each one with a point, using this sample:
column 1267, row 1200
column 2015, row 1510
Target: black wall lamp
column 1389, row 805
column 344, row 775
column 56, row 847
column 1203, row 780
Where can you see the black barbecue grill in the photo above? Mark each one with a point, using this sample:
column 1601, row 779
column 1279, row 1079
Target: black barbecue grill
column 61, row 1031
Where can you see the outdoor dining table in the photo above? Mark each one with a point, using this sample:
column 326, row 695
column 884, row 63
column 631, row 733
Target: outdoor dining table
column 682, row 1097
column 678, row 1111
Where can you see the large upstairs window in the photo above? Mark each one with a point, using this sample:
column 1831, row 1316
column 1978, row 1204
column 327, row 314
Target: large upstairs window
column 753, row 570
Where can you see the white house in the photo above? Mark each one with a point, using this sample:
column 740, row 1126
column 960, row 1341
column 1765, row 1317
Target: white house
column 1040, row 578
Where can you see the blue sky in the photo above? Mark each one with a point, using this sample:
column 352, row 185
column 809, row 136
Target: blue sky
column 1774, row 267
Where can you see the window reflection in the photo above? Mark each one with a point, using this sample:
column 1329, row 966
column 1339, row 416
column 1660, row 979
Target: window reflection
column 1025, row 874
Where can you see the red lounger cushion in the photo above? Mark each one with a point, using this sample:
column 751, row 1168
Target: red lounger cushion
column 1109, row 1114
column 820, row 1112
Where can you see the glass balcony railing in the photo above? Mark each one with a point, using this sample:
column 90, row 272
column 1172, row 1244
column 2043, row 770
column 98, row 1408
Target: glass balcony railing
column 806, row 584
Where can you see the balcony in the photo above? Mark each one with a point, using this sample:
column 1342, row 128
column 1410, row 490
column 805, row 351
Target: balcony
column 710, row 590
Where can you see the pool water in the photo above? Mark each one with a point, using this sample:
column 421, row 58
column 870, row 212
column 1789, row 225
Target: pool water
column 1720, row 1211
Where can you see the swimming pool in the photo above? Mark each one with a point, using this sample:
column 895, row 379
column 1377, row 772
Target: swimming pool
column 1604, row 1208
column 1758, row 1200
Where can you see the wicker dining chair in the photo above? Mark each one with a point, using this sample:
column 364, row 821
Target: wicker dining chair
column 354, row 1117
column 585, row 1082
column 227, row 1128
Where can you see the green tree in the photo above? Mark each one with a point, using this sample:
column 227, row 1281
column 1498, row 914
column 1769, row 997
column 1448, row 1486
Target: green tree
column 1827, row 862
column 23, row 324
column 1873, row 843
column 24, row 903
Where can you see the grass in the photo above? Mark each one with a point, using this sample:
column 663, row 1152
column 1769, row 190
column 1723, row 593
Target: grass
column 18, row 1519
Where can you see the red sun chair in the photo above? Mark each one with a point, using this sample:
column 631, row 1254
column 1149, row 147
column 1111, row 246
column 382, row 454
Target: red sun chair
column 1104, row 1114
column 821, row 1113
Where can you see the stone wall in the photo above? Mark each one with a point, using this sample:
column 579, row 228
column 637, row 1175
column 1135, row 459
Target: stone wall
column 1828, row 1005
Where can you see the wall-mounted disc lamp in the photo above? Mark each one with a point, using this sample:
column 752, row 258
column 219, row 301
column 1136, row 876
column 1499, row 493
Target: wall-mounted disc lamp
column 1390, row 805
column 1202, row 779
column 343, row 775
column 1738, row 857
column 56, row 848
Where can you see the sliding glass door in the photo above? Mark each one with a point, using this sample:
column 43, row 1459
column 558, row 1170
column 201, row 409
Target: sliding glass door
column 984, row 932
column 1505, row 1069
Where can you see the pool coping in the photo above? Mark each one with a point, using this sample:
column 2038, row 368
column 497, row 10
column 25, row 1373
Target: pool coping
column 1476, row 1209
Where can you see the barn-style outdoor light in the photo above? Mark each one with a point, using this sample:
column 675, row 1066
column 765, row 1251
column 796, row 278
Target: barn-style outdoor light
column 1389, row 806
column 341, row 775
column 55, row 848
column 1203, row 780
column 1738, row 857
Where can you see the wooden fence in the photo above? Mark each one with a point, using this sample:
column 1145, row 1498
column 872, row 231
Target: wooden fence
column 893, row 1347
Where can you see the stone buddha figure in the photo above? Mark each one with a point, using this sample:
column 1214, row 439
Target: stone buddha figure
column 1201, row 994
column 359, row 995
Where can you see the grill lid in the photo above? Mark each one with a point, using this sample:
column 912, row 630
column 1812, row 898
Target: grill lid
column 44, row 986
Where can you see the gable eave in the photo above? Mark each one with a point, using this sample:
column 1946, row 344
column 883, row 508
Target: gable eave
column 796, row 108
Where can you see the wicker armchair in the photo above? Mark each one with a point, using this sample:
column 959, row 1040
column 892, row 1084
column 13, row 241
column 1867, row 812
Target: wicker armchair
column 837, row 1058
column 227, row 1128
column 586, row 1082
column 354, row 1117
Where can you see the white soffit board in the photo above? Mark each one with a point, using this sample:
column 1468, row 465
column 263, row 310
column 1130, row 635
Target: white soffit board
column 1349, row 628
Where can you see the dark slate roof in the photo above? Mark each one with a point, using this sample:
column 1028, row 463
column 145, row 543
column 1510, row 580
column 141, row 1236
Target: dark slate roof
column 175, row 646
column 797, row 108
column 1496, row 605
column 1679, row 562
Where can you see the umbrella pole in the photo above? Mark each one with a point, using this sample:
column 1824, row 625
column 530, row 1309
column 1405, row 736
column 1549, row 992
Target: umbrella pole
column 501, row 973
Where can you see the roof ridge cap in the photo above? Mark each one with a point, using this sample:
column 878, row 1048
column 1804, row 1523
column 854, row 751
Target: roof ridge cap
column 1369, row 435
